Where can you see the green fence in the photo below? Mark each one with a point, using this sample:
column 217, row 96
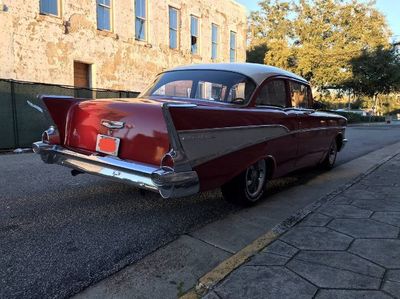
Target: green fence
column 21, row 124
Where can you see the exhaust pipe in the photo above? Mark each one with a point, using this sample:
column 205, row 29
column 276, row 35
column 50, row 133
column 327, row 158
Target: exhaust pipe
column 75, row 172
column 37, row 147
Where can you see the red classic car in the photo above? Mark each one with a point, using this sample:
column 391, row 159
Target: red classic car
column 197, row 127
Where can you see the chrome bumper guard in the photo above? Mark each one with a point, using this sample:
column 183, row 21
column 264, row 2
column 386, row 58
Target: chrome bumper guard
column 166, row 181
column 344, row 142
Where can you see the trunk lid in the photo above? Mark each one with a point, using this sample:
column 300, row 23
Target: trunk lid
column 143, row 136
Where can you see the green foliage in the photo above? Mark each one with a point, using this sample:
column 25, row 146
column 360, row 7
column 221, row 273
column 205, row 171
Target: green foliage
column 256, row 53
column 375, row 72
column 353, row 118
column 317, row 38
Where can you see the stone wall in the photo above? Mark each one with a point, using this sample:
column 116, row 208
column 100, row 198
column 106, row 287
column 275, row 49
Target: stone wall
column 42, row 48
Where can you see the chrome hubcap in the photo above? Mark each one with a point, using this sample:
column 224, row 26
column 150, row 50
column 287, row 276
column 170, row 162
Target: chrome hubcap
column 255, row 178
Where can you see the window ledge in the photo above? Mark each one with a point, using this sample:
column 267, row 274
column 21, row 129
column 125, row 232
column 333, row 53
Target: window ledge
column 140, row 42
column 49, row 18
column 197, row 56
column 107, row 33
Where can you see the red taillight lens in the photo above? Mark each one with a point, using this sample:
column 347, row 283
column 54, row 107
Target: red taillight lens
column 167, row 161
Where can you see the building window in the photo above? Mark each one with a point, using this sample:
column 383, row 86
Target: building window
column 104, row 15
column 232, row 47
column 140, row 21
column 173, row 28
column 214, row 41
column 49, row 7
column 194, row 34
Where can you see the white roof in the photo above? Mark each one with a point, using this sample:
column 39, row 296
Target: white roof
column 257, row 72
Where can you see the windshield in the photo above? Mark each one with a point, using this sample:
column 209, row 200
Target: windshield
column 211, row 85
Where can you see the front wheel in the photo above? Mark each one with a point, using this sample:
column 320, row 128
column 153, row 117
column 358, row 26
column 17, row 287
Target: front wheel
column 330, row 158
column 248, row 187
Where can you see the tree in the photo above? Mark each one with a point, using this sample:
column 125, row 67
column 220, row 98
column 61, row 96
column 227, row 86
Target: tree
column 271, row 29
column 256, row 53
column 317, row 38
column 375, row 73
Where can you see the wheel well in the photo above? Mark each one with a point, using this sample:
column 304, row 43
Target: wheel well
column 271, row 165
column 339, row 142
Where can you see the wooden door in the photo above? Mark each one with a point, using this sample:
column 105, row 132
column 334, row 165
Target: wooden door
column 81, row 75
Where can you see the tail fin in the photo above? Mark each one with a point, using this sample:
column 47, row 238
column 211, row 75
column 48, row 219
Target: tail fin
column 58, row 107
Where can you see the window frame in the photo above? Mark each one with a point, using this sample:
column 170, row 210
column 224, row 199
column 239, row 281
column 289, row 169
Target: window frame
column 192, row 16
column 214, row 43
column 230, row 46
column 144, row 19
column 110, row 9
column 58, row 2
column 176, row 30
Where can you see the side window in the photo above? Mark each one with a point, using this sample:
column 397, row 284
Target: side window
column 299, row 95
column 273, row 94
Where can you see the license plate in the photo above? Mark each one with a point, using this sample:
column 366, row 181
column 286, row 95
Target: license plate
column 107, row 144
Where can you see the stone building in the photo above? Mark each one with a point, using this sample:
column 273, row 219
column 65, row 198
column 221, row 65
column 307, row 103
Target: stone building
column 115, row 44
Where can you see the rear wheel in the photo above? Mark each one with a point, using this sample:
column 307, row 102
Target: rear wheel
column 248, row 187
column 330, row 158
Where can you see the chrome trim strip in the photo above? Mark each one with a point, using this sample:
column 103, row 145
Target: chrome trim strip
column 204, row 145
column 181, row 162
column 316, row 129
column 233, row 128
column 166, row 181
column 112, row 124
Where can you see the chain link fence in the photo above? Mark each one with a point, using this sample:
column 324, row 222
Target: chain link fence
column 21, row 124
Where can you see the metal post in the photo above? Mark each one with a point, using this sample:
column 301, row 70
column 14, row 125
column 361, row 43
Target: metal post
column 14, row 114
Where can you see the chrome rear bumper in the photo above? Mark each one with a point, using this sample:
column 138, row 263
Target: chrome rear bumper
column 166, row 181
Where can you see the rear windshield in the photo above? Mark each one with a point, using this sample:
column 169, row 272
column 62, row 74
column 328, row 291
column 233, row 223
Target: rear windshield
column 210, row 85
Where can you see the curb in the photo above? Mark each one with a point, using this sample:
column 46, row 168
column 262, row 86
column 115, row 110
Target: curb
column 216, row 275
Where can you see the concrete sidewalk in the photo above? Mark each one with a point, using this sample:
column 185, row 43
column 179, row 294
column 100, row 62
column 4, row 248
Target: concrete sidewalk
column 347, row 248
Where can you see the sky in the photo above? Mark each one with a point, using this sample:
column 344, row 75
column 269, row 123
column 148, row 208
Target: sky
column 390, row 8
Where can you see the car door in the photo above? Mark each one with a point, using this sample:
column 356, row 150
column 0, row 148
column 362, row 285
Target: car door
column 273, row 99
column 311, row 127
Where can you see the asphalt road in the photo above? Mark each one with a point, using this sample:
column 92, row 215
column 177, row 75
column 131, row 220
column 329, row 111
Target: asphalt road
column 59, row 233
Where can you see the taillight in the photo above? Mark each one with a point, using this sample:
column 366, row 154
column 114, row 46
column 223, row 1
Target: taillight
column 168, row 161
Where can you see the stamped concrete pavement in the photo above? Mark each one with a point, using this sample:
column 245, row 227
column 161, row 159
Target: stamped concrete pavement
column 347, row 248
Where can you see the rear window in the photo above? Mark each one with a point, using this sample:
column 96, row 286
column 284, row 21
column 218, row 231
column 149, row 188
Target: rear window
column 210, row 85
